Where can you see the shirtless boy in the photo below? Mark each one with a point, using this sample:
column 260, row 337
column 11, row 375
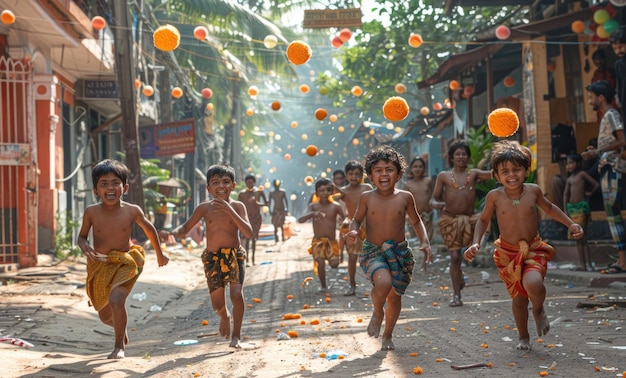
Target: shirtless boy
column 454, row 196
column 324, row 213
column 278, row 209
column 350, row 194
column 224, row 219
column 387, row 259
column 113, row 263
column 520, row 254
column 253, row 199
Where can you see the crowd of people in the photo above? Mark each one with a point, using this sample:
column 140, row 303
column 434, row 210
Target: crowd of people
column 368, row 210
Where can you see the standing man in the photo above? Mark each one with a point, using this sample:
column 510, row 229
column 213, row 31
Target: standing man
column 253, row 199
column 278, row 208
column 453, row 196
column 610, row 142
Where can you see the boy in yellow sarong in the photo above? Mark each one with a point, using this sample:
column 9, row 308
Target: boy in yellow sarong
column 324, row 213
column 520, row 255
column 113, row 263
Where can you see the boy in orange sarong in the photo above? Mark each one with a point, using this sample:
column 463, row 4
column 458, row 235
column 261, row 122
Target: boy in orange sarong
column 520, row 255
column 113, row 264
column 324, row 213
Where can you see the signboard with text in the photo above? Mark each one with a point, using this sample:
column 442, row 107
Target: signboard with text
column 100, row 89
column 14, row 154
column 332, row 18
column 168, row 139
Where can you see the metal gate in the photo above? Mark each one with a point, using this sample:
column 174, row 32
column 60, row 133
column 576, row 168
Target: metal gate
column 18, row 156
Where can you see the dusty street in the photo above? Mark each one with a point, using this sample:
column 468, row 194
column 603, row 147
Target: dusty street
column 50, row 311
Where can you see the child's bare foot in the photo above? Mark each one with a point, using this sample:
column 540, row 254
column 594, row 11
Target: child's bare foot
column 524, row 344
column 117, row 354
column 234, row 343
column 388, row 344
column 373, row 329
column 225, row 324
column 543, row 325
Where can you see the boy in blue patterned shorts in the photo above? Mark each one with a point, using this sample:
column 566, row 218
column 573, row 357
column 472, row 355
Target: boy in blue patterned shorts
column 386, row 258
column 224, row 260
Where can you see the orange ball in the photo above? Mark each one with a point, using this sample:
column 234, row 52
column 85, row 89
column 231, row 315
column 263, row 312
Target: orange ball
column 437, row 106
column 137, row 83
column 207, row 93
column 336, row 42
column 424, row 111
column 253, row 90
column 400, row 88
column 321, row 114
column 345, row 35
column 304, row 88
column 578, row 26
column 249, row 112
column 275, row 106
column 200, row 33
column 298, row 52
column 355, row 142
column 287, row 157
column 356, row 90
column 311, row 150
column 333, row 118
column 205, row 322
column 147, row 90
column 415, row 40
column 294, row 124
column 341, row 129
column 166, row 38
column 210, row 106
column 177, row 92
column 468, row 90
column 503, row 122
column 308, row 180
column 509, row 81
column 395, row 109
column 454, row 85
column 97, row 23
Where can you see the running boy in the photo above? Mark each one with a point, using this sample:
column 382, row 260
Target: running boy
column 279, row 209
column 324, row 215
column 387, row 259
column 253, row 199
column 575, row 199
column 520, row 254
column 350, row 194
column 454, row 196
column 113, row 263
column 224, row 219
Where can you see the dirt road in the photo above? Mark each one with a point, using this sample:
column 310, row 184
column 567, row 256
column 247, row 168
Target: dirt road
column 71, row 342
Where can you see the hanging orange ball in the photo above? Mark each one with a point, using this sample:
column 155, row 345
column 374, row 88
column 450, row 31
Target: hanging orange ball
column 336, row 42
column 468, row 90
column 345, row 34
column 424, row 111
column 400, row 88
column 304, row 88
column 147, row 90
column 321, row 114
column 395, row 109
column 137, row 83
column 298, row 52
column 253, row 90
column 503, row 122
column 166, row 38
column 97, row 23
column 275, row 106
column 311, row 150
column 177, row 92
column 503, row 32
column 454, row 85
column 578, row 26
column 437, row 106
column 509, row 81
column 415, row 40
column 356, row 90
column 200, row 33
column 207, row 93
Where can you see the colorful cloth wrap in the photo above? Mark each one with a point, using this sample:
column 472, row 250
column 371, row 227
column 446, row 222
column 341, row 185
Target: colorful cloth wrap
column 356, row 248
column 115, row 269
column 397, row 258
column 278, row 218
column 256, row 220
column 224, row 266
column 514, row 261
column 580, row 213
column 324, row 248
column 457, row 231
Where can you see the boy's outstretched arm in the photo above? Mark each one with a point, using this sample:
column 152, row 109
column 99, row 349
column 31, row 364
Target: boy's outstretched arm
column 557, row 214
column 481, row 227
column 151, row 232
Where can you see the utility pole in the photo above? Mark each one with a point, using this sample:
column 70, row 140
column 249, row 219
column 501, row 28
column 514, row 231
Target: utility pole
column 125, row 69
